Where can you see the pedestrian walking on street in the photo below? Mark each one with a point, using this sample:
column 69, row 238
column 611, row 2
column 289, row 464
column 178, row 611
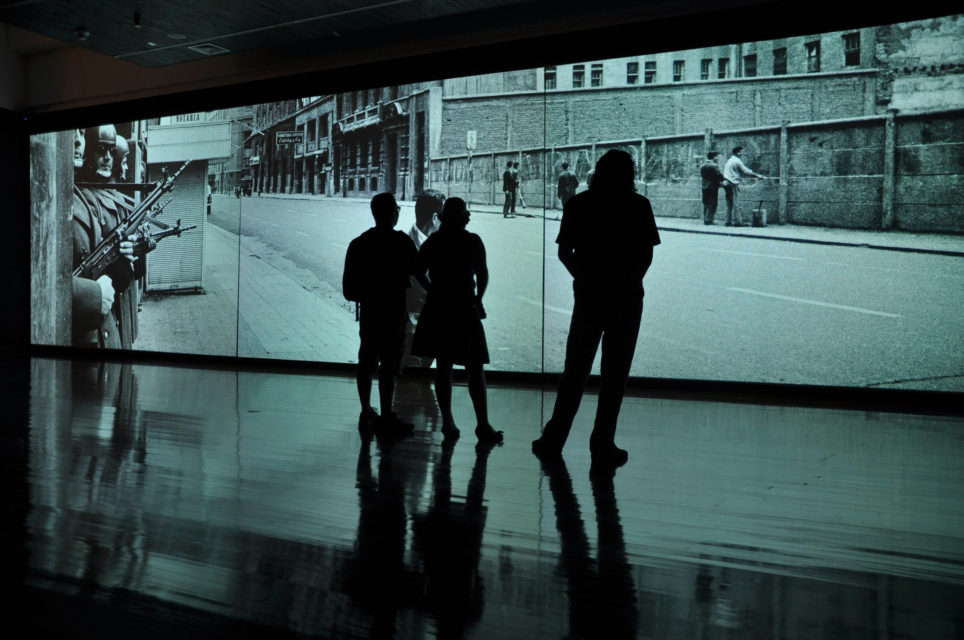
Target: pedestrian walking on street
column 378, row 268
column 711, row 178
column 568, row 183
column 452, row 267
column 509, row 184
column 733, row 171
column 606, row 242
column 517, row 176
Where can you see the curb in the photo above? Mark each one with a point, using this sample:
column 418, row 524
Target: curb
column 839, row 243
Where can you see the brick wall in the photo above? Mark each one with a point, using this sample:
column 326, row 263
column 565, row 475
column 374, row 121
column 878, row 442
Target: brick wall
column 877, row 172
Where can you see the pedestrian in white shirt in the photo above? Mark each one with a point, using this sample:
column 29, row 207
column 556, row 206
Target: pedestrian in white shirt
column 732, row 172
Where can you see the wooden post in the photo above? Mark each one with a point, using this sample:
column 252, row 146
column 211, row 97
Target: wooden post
column 887, row 217
column 642, row 164
column 495, row 178
column 51, row 237
column 784, row 186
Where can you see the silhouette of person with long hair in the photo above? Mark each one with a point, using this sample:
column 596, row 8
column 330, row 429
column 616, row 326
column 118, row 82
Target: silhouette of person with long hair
column 606, row 241
column 378, row 268
column 451, row 266
column 449, row 541
column 602, row 598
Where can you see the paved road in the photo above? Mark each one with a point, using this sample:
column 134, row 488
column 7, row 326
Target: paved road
column 717, row 307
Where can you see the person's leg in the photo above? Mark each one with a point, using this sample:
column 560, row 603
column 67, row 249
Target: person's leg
column 505, row 207
column 618, row 346
column 477, row 391
column 367, row 362
column 710, row 200
column 728, row 191
column 443, row 395
column 585, row 331
column 737, row 215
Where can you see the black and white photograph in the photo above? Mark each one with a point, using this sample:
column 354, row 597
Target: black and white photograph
column 483, row 319
column 824, row 248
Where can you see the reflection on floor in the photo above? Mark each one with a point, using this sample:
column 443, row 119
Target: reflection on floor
column 164, row 501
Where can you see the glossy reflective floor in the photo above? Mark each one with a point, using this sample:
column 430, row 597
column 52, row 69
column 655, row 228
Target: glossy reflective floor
column 162, row 501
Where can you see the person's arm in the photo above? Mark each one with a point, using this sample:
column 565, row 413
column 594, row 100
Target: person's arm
column 481, row 272
column 646, row 258
column 567, row 256
column 745, row 170
column 421, row 268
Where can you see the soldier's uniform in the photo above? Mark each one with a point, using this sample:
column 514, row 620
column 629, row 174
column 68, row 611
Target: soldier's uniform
column 95, row 212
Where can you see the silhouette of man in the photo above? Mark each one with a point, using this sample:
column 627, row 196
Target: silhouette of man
column 711, row 178
column 733, row 170
column 606, row 242
column 509, row 184
column 378, row 266
column 568, row 183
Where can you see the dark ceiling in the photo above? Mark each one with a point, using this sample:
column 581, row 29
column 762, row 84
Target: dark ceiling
column 156, row 33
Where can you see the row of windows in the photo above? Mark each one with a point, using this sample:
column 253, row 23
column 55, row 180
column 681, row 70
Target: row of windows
column 709, row 68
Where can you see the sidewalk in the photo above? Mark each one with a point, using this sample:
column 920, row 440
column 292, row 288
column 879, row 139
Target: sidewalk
column 276, row 318
column 938, row 243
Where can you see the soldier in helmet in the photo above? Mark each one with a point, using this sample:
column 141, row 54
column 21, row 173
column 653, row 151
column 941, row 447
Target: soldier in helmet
column 120, row 153
column 103, row 309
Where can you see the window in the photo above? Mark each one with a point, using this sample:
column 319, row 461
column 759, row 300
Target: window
column 780, row 61
column 596, row 75
column 705, row 65
column 376, row 151
column 373, row 184
column 678, row 68
column 351, row 184
column 578, row 75
column 851, row 50
column 632, row 73
column 749, row 66
column 723, row 68
column 649, row 72
column 323, row 126
column 813, row 56
column 550, row 77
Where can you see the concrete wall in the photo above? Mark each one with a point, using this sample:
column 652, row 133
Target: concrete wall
column 877, row 172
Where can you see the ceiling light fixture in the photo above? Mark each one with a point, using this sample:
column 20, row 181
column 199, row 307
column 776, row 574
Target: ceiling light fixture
column 81, row 33
column 137, row 19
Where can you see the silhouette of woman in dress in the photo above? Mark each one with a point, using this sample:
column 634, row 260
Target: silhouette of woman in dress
column 451, row 266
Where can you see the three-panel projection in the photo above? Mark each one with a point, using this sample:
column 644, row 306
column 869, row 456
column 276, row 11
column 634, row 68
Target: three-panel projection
column 855, row 134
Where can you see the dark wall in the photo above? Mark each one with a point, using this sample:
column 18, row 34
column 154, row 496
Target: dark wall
column 14, row 258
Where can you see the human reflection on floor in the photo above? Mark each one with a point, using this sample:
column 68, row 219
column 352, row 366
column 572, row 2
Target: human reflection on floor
column 109, row 462
column 448, row 540
column 601, row 594
column 375, row 575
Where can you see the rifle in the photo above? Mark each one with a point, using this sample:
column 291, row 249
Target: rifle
column 108, row 249
column 147, row 241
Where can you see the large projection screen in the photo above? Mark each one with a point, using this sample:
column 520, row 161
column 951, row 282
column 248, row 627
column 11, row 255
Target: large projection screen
column 849, row 270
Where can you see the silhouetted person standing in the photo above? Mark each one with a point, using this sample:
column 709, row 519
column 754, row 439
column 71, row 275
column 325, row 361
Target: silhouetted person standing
column 378, row 269
column 509, row 184
column 606, row 242
column 452, row 267
column 568, row 183
column 711, row 178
